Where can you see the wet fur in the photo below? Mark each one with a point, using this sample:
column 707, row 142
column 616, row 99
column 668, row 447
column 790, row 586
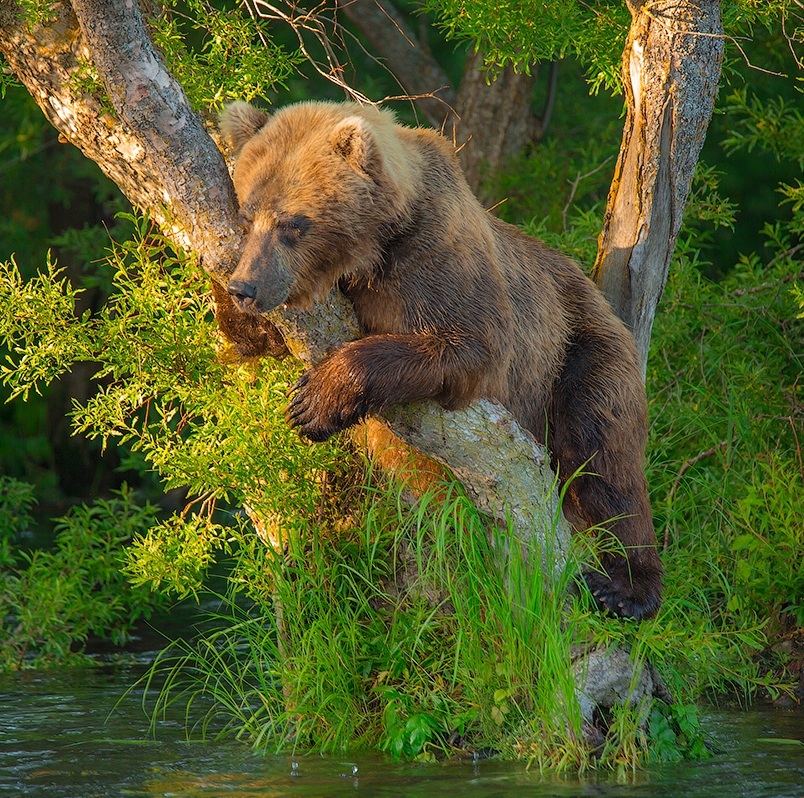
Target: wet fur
column 455, row 305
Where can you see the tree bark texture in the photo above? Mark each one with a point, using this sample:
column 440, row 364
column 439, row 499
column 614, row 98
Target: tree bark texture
column 671, row 69
column 495, row 119
column 156, row 150
column 151, row 132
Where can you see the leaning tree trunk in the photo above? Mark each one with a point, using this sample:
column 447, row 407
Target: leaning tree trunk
column 671, row 69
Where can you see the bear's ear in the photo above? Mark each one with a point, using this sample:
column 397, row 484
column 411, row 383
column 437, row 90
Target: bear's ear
column 353, row 140
column 239, row 122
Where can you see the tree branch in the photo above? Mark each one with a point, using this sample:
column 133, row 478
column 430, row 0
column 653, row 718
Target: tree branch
column 194, row 205
column 150, row 102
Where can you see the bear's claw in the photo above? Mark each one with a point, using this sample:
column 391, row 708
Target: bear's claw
column 316, row 415
column 620, row 596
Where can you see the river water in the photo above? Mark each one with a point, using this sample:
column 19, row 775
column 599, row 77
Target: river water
column 58, row 738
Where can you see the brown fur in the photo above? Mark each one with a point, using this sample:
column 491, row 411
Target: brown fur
column 455, row 305
column 252, row 336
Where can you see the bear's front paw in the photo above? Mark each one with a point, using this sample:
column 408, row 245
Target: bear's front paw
column 319, row 408
column 627, row 593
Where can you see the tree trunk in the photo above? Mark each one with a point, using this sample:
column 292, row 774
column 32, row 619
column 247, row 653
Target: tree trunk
column 495, row 119
column 671, row 69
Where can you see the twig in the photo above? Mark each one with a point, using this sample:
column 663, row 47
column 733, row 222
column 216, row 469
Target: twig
column 575, row 188
column 765, row 286
column 30, row 154
column 324, row 28
column 311, row 22
column 680, row 475
column 790, row 39
column 206, row 501
column 497, row 205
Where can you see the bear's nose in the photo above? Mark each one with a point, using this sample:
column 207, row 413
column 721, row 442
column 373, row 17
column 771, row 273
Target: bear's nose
column 245, row 292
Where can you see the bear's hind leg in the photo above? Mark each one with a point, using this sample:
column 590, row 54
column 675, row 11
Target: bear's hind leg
column 630, row 581
column 598, row 417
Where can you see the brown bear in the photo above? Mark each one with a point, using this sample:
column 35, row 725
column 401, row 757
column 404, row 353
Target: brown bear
column 454, row 304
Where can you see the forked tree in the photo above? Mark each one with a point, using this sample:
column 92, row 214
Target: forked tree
column 145, row 136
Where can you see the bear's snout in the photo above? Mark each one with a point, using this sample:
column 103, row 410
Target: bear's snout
column 244, row 293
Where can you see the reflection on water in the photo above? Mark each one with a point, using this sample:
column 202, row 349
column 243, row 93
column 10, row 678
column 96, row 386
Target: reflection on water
column 57, row 739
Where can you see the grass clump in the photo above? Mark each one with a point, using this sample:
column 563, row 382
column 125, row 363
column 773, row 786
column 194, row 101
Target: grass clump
column 405, row 633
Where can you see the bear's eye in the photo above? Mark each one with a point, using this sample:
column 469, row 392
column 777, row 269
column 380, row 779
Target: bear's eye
column 291, row 229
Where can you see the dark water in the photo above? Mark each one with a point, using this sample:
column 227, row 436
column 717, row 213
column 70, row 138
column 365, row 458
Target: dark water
column 57, row 739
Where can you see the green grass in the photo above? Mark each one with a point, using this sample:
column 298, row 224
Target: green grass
column 344, row 647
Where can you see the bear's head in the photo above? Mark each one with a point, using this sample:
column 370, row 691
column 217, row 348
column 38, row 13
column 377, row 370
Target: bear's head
column 319, row 186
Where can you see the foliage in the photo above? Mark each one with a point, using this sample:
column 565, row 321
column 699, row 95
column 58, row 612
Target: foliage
column 165, row 389
column 798, row 296
column 36, row 11
column 520, row 34
column 51, row 197
column 732, row 432
column 775, row 124
column 516, row 34
column 737, row 404
column 16, row 501
column 219, row 56
column 675, row 733
column 51, row 601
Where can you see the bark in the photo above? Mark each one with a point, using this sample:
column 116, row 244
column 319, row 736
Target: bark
column 495, row 119
column 671, row 68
